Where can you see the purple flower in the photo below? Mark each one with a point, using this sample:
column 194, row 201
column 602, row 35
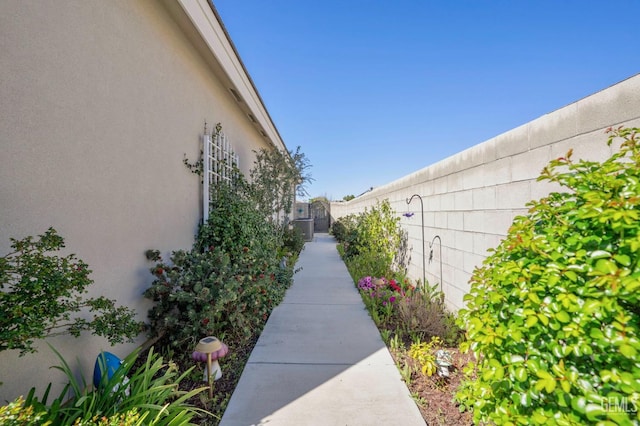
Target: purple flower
column 392, row 299
column 365, row 284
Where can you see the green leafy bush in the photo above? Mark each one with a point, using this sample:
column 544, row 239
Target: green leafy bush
column 201, row 294
column 379, row 232
column 553, row 314
column 424, row 353
column 368, row 263
column 422, row 316
column 136, row 394
column 16, row 413
column 292, row 241
column 375, row 236
column 234, row 275
column 235, row 224
column 41, row 292
column 345, row 228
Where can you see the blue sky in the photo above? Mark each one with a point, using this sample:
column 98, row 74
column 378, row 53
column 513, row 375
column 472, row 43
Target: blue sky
column 374, row 90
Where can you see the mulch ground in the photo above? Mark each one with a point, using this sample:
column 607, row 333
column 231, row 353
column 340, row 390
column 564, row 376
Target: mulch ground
column 434, row 394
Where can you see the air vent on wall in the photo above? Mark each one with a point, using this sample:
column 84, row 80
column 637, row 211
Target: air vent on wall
column 236, row 95
column 252, row 118
column 263, row 133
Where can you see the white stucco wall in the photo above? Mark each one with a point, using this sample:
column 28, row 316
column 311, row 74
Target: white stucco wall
column 471, row 198
column 99, row 101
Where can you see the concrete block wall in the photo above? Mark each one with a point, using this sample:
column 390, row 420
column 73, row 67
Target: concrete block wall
column 471, row 198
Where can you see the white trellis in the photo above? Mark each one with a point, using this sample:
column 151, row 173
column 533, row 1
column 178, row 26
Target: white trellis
column 219, row 162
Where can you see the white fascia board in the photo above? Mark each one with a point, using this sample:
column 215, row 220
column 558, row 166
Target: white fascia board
column 207, row 25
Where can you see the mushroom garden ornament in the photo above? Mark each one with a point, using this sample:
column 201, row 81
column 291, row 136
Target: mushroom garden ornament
column 210, row 349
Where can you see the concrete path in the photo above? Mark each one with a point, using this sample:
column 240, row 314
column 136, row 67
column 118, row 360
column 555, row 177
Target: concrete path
column 320, row 359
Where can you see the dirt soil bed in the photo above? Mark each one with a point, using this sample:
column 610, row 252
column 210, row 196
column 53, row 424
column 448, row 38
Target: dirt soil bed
column 433, row 394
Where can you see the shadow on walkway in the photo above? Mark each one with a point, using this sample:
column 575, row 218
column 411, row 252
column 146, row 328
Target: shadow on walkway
column 320, row 359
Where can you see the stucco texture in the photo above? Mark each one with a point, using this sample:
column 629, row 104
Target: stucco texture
column 99, row 103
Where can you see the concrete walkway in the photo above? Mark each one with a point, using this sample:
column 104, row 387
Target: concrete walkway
column 320, row 359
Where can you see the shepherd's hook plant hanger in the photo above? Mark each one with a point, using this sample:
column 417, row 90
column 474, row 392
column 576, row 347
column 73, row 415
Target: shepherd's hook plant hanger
column 431, row 256
column 424, row 281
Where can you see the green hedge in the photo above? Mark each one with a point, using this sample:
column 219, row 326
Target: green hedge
column 553, row 315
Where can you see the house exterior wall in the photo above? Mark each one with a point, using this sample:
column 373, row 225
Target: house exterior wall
column 471, row 198
column 99, row 103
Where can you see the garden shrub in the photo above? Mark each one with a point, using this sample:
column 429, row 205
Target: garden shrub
column 375, row 235
column 292, row 240
column 41, row 295
column 368, row 263
column 379, row 232
column 373, row 245
column 242, row 260
column 380, row 297
column 15, row 413
column 344, row 228
column 202, row 294
column 140, row 393
column 276, row 177
column 421, row 317
column 235, row 224
column 411, row 314
column 553, row 315
column 423, row 352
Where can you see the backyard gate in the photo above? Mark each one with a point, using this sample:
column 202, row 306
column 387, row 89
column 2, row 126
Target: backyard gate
column 320, row 215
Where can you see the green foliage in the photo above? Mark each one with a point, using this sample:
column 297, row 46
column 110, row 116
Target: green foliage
column 17, row 414
column 407, row 312
column 421, row 316
column 202, row 294
column 197, row 167
column 129, row 418
column 241, row 263
column 345, row 229
column 378, row 232
column 423, row 352
column 293, row 240
column 276, row 178
column 368, row 263
column 553, row 314
column 375, row 236
column 235, row 225
column 42, row 292
column 148, row 394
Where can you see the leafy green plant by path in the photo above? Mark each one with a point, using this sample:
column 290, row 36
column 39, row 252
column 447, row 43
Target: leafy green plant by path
column 407, row 312
column 146, row 395
column 554, row 312
column 41, row 293
column 204, row 294
column 421, row 316
column 423, row 352
column 344, row 229
column 372, row 242
column 16, row 413
column 380, row 296
column 235, row 224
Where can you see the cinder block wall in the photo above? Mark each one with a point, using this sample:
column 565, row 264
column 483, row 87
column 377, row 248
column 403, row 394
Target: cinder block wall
column 471, row 198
